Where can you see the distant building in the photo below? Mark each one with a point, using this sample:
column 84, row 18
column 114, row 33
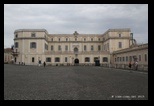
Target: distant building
column 8, row 58
column 34, row 45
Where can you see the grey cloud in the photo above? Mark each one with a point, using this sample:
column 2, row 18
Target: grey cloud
column 89, row 18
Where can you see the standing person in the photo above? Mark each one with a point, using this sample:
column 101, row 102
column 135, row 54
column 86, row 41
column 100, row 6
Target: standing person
column 136, row 65
column 130, row 66
column 44, row 64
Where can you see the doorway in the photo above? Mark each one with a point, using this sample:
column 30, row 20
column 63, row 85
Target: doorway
column 76, row 61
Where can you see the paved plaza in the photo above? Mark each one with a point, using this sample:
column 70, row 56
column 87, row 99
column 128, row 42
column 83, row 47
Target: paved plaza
column 73, row 83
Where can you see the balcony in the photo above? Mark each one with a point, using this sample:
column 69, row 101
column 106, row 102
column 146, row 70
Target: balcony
column 15, row 53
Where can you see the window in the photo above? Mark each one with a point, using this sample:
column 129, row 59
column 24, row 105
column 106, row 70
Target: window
column 92, row 48
column 59, row 47
column 65, row 59
column 91, row 39
column 95, row 58
column 16, row 44
column 52, row 48
column 120, row 44
column 120, row 58
column 87, row 59
column 75, row 39
column 57, row 59
column 105, row 59
column 59, row 39
column 46, row 46
column 51, row 39
column 84, row 39
column 32, row 59
column 16, row 35
column 66, row 39
column 123, row 58
column 115, row 59
column 66, row 48
column 85, row 48
column 145, row 57
column 76, row 50
column 126, row 58
column 119, row 35
column 33, row 35
column 99, row 47
column 130, row 58
column 99, row 39
column 48, row 59
column 139, row 57
column 33, row 45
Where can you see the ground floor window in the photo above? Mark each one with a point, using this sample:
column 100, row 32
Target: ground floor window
column 87, row 59
column 105, row 59
column 48, row 59
column 57, row 59
column 32, row 59
column 65, row 59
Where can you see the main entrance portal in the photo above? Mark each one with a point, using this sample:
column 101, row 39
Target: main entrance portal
column 76, row 61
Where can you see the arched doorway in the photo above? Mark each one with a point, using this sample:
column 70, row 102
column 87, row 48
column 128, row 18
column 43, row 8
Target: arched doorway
column 76, row 61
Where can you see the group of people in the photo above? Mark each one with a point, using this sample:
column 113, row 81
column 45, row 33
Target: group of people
column 44, row 64
column 135, row 64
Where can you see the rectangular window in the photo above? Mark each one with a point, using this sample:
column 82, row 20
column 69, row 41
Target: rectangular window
column 52, row 48
column 16, row 44
column 87, row 59
column 65, row 59
column 16, row 35
column 120, row 59
column 123, row 58
column 91, row 39
column 85, row 48
column 99, row 39
column 32, row 34
column 119, row 35
column 145, row 57
column 92, row 48
column 105, row 59
column 66, row 39
column 59, row 39
column 130, row 58
column 120, row 44
column 99, row 47
column 57, row 59
column 139, row 57
column 66, row 48
column 32, row 59
column 84, row 39
column 33, row 45
column 48, row 59
column 115, row 59
column 59, row 47
column 46, row 46
column 126, row 58
column 51, row 39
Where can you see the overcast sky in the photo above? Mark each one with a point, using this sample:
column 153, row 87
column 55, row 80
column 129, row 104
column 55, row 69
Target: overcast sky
column 83, row 18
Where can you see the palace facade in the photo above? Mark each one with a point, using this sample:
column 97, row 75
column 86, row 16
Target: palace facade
column 34, row 45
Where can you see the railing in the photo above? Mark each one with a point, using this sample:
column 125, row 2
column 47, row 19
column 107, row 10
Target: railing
column 15, row 53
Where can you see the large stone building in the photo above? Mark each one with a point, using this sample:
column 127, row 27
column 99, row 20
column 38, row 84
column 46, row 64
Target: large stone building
column 32, row 45
column 8, row 55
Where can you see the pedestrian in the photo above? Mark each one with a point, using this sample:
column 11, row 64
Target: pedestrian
column 44, row 64
column 130, row 65
column 136, row 65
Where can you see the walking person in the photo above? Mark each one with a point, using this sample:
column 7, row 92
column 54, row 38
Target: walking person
column 44, row 64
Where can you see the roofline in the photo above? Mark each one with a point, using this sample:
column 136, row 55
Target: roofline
column 30, row 30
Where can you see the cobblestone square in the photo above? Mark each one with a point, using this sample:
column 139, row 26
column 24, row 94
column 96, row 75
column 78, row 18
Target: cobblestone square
column 73, row 83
